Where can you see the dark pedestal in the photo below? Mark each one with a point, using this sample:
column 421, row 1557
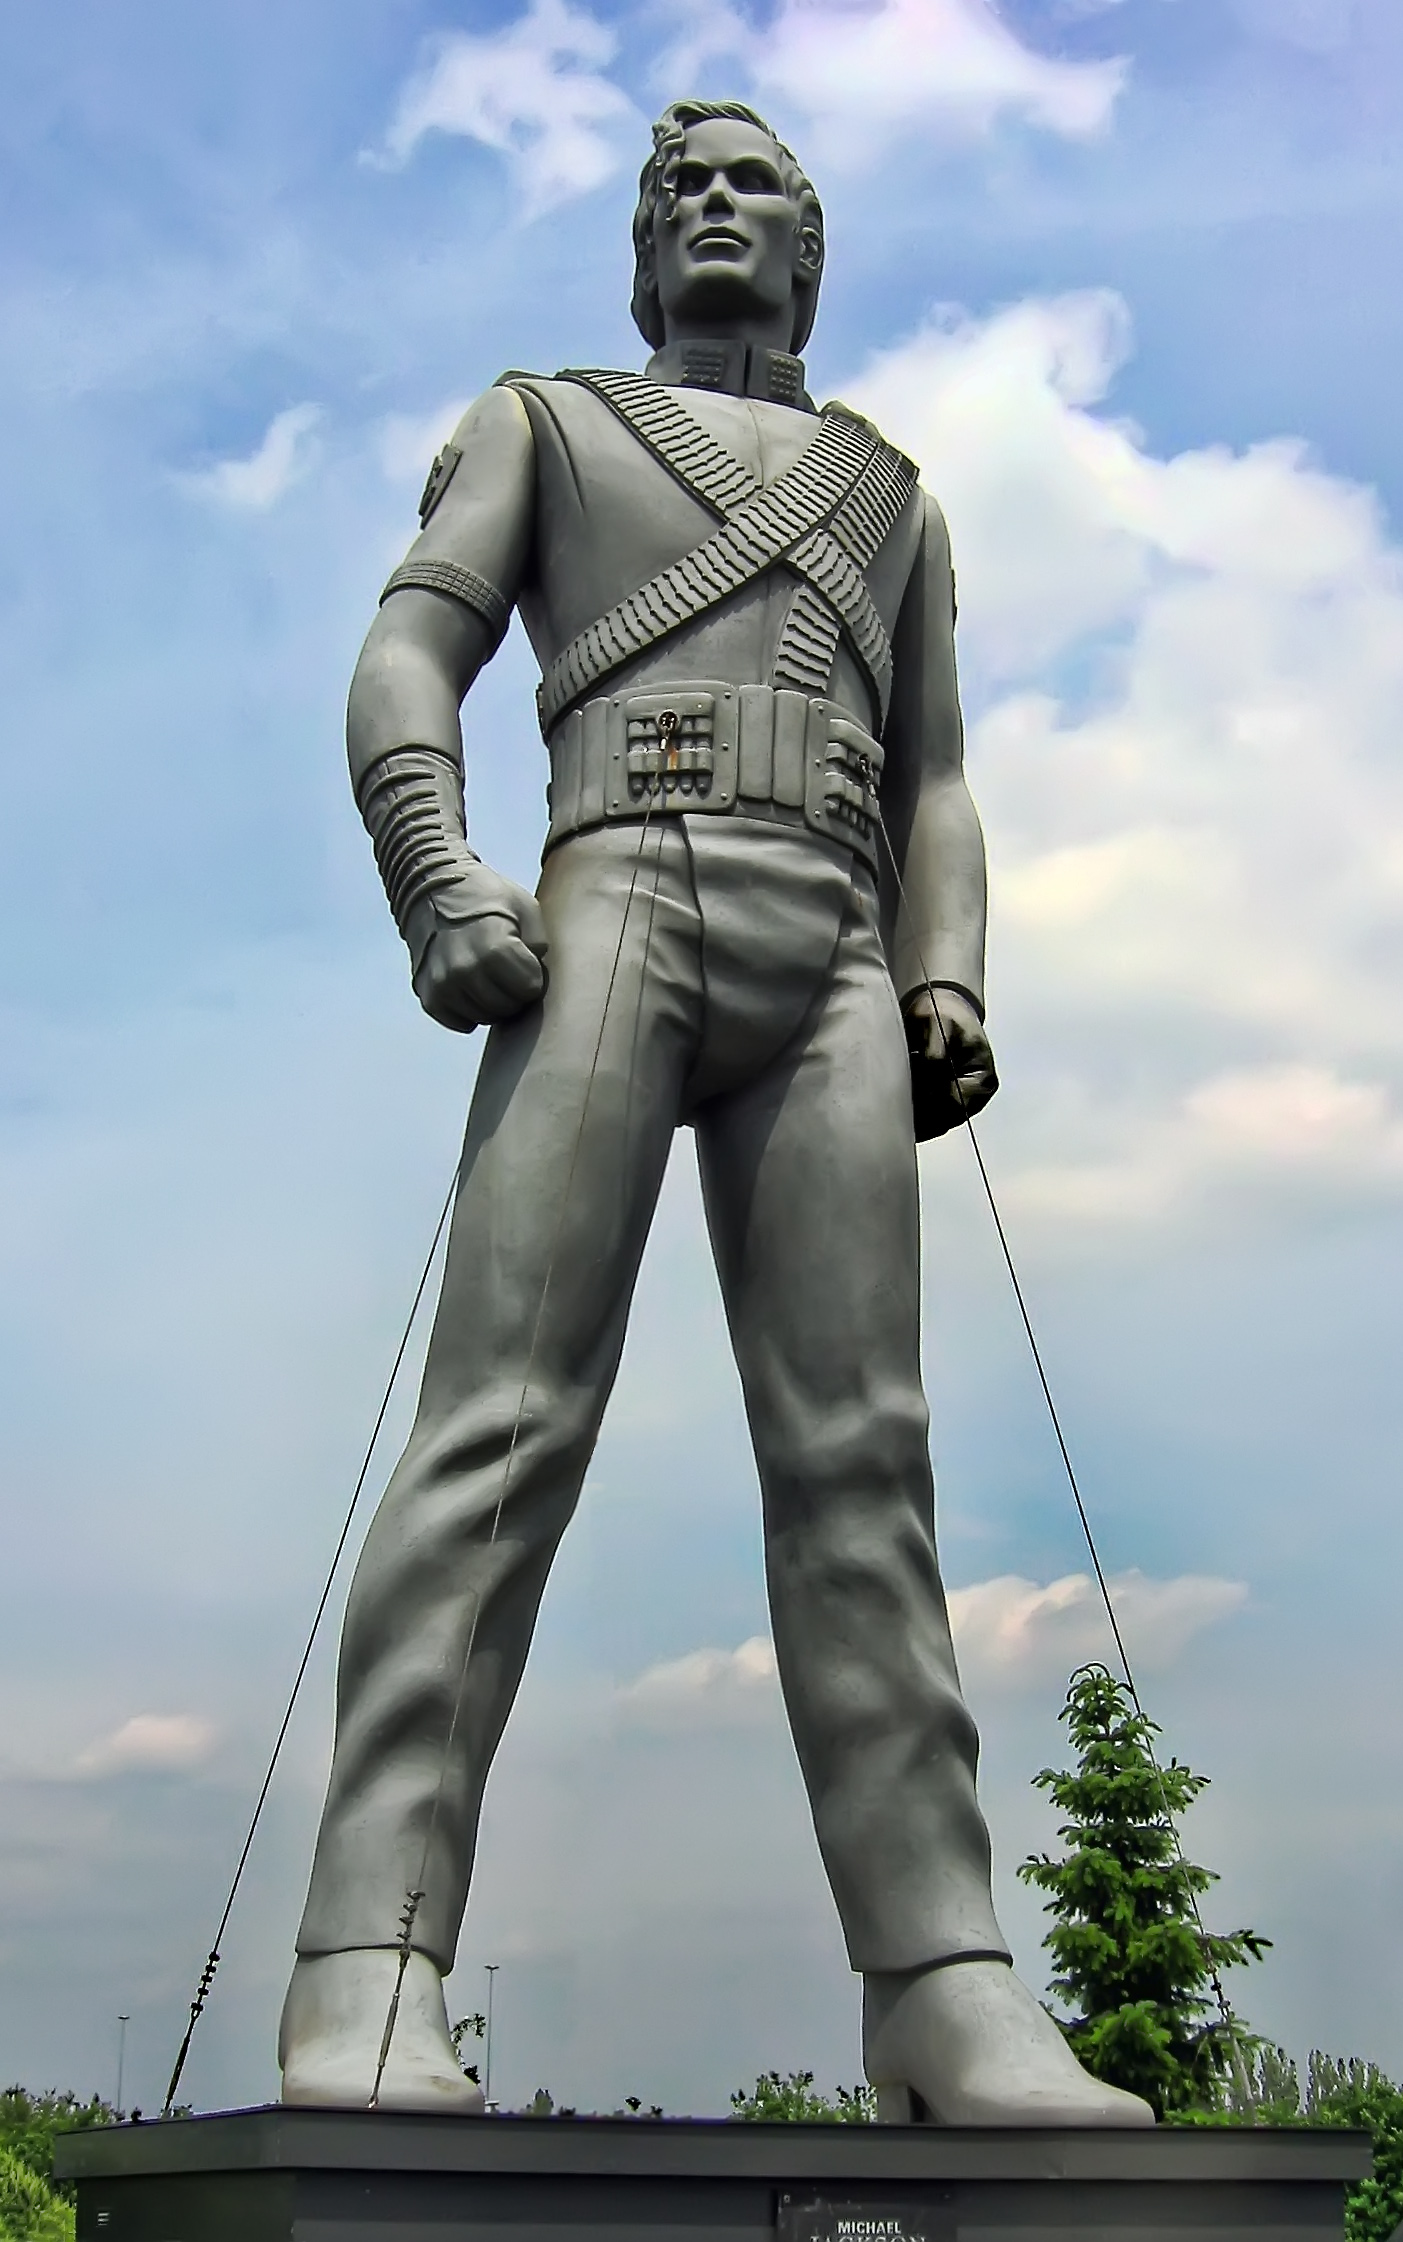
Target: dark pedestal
column 278, row 2175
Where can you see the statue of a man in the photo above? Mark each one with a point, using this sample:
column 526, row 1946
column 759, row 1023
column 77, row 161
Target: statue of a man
column 761, row 913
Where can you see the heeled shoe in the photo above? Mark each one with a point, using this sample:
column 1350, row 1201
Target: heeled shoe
column 333, row 2023
column 965, row 2043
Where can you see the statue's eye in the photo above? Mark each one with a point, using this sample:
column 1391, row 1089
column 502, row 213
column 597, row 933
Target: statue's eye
column 754, row 178
column 693, row 179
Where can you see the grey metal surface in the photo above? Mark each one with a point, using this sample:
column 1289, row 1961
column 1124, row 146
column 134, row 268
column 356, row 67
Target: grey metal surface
column 275, row 2138
column 280, row 2175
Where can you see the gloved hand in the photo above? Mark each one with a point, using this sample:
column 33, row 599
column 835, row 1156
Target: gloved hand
column 479, row 950
column 953, row 1075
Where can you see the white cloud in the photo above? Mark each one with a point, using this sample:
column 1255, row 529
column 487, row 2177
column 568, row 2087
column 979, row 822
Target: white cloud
column 168, row 1742
column 859, row 73
column 1300, row 1126
column 1012, row 1632
column 706, row 1689
column 1008, row 1631
column 254, row 484
column 534, row 92
column 1186, row 682
column 410, row 442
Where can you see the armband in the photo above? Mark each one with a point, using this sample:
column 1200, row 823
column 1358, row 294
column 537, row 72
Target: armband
column 957, row 988
column 425, row 574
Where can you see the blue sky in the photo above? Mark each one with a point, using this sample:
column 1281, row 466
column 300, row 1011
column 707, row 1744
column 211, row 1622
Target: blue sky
column 1125, row 278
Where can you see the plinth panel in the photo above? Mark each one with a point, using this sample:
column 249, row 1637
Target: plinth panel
column 275, row 2175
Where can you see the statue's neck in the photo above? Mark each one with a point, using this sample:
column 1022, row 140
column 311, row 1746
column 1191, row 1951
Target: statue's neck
column 740, row 369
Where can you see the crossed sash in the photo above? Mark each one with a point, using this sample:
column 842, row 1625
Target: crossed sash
column 825, row 518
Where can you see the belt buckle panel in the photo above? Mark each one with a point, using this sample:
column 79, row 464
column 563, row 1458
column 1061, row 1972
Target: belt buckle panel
column 672, row 748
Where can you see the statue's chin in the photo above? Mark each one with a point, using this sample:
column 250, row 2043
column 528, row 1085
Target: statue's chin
column 720, row 291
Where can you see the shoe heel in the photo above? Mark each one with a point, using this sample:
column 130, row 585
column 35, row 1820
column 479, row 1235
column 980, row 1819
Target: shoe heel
column 901, row 2105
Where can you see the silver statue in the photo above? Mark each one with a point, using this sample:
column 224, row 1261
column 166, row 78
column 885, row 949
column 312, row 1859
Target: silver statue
column 761, row 913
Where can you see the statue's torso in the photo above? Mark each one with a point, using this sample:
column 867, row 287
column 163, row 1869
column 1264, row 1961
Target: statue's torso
column 609, row 516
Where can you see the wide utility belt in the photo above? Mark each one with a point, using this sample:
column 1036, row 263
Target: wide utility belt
column 713, row 748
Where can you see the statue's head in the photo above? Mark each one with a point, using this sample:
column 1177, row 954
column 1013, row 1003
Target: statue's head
column 727, row 226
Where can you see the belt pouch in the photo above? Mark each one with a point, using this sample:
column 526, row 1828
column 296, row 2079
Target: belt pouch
column 755, row 777
column 791, row 729
column 565, row 755
column 594, row 760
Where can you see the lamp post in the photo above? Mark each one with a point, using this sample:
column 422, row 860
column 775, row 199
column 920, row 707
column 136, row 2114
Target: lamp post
column 492, row 1969
column 122, row 2023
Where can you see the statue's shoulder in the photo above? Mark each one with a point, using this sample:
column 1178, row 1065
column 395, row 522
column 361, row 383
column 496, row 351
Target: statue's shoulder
column 849, row 412
column 563, row 408
column 556, row 390
column 520, row 377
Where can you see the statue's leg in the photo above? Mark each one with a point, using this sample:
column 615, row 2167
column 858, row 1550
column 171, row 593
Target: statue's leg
column 563, row 1161
column 810, row 1181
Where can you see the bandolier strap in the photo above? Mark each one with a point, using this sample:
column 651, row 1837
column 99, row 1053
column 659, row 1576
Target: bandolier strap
column 825, row 518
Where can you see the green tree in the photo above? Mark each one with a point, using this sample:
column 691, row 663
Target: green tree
column 1133, row 1963
column 792, row 2101
column 30, row 2211
column 33, row 2208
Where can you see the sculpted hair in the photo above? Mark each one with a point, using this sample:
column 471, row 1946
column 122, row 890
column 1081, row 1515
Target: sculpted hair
column 657, row 182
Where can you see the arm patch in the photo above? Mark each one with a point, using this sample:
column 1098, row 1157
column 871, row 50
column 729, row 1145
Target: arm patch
column 440, row 476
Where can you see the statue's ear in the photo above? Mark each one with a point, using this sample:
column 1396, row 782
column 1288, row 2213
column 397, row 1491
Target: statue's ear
column 809, row 262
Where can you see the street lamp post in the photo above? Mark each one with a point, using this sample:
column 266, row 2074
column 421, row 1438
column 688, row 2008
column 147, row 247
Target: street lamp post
column 122, row 2023
column 492, row 1969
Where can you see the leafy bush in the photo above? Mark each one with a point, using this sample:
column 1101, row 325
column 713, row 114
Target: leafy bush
column 30, row 2211
column 1344, row 2092
column 792, row 2101
column 29, row 2122
column 33, row 2207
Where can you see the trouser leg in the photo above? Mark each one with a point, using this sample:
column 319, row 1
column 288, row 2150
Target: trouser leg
column 810, row 1184
column 561, row 1169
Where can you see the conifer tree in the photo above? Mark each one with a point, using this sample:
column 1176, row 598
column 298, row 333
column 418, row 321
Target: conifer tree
column 1133, row 1963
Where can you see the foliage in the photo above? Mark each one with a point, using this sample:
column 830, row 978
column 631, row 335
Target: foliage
column 1365, row 2098
column 476, row 2025
column 30, row 2210
column 542, row 2104
column 28, row 2124
column 1133, row 1961
column 792, row 2101
column 1345, row 2093
column 33, row 2206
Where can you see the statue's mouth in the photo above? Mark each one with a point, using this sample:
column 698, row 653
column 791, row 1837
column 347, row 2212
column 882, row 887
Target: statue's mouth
column 718, row 237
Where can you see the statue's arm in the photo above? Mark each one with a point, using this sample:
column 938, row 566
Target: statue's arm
column 476, row 941
column 935, row 909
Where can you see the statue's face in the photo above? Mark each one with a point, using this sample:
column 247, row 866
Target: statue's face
column 731, row 250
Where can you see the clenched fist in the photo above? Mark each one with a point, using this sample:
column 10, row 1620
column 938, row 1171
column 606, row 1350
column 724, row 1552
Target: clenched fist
column 481, row 956
column 952, row 1067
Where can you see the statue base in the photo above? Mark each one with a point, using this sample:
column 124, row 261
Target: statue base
column 293, row 2175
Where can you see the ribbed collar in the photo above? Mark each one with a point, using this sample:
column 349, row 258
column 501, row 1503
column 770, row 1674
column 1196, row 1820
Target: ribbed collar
column 740, row 369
